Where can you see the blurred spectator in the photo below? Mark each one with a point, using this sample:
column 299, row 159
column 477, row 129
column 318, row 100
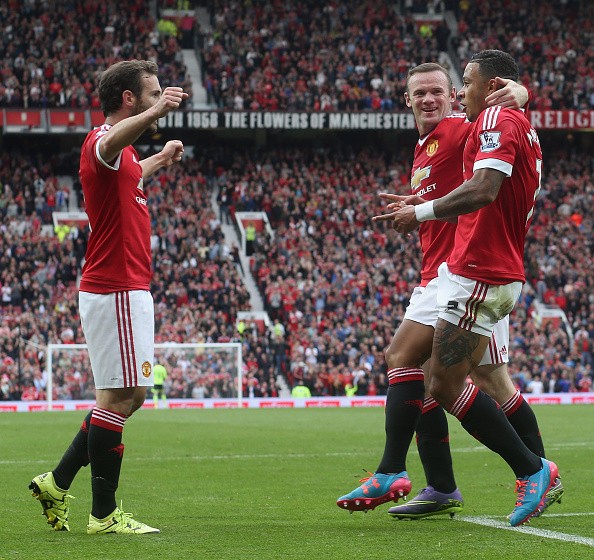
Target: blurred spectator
column 535, row 386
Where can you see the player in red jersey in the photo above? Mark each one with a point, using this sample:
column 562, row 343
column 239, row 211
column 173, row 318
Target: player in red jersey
column 116, row 307
column 482, row 278
column 442, row 138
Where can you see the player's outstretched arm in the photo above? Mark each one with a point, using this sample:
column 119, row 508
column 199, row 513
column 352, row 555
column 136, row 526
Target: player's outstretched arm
column 396, row 203
column 127, row 131
column 170, row 154
column 479, row 191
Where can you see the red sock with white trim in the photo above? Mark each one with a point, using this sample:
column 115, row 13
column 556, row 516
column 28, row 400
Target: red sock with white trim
column 433, row 443
column 522, row 418
column 105, row 452
column 482, row 418
column 404, row 403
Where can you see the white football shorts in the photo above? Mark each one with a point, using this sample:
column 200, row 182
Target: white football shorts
column 472, row 305
column 423, row 309
column 120, row 331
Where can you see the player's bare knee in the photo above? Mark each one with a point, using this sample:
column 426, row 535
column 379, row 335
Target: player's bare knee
column 494, row 380
column 398, row 357
column 138, row 399
column 391, row 357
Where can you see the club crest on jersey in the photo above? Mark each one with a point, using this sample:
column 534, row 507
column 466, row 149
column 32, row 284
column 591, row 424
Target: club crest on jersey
column 418, row 176
column 432, row 146
column 490, row 140
column 146, row 369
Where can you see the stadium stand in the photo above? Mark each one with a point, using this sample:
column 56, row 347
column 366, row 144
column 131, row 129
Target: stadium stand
column 311, row 56
column 552, row 41
column 334, row 286
column 328, row 277
column 52, row 56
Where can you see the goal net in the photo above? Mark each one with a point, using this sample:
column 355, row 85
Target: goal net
column 195, row 371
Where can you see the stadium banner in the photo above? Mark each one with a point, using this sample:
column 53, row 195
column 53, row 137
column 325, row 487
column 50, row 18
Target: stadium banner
column 562, row 119
column 289, row 402
column 287, row 120
column 60, row 121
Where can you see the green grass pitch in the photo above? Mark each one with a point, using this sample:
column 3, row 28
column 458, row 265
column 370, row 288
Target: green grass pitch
column 242, row 484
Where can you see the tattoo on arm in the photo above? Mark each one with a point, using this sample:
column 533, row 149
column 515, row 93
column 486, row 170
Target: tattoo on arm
column 455, row 345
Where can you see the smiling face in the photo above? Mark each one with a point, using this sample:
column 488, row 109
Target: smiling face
column 473, row 93
column 430, row 97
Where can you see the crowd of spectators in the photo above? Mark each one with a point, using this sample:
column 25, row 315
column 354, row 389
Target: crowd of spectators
column 553, row 43
column 306, row 55
column 332, row 278
column 31, row 188
column 348, row 55
column 197, row 287
column 335, row 286
column 51, row 54
column 329, row 276
column 355, row 55
column 558, row 260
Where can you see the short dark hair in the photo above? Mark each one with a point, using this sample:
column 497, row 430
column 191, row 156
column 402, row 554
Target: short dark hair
column 429, row 67
column 493, row 63
column 122, row 76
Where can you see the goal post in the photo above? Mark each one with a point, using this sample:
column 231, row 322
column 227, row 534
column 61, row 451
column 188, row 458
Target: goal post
column 214, row 367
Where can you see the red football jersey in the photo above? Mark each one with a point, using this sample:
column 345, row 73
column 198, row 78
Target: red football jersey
column 119, row 250
column 489, row 243
column 437, row 170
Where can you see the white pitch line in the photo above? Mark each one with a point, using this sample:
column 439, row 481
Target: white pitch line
column 555, row 535
column 547, row 515
column 257, row 456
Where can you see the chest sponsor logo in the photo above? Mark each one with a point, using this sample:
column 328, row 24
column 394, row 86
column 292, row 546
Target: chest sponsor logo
column 432, row 146
column 490, row 140
column 419, row 175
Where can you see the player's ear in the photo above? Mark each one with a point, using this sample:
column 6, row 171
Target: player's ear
column 453, row 95
column 128, row 98
column 494, row 85
column 407, row 99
